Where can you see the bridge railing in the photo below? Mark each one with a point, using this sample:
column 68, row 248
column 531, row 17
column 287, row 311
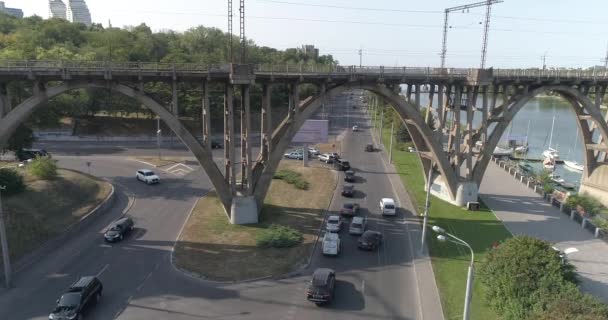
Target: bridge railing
column 337, row 69
column 558, row 73
column 93, row 66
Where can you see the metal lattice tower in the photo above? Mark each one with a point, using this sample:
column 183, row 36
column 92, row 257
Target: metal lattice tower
column 486, row 28
column 230, row 55
column 243, row 39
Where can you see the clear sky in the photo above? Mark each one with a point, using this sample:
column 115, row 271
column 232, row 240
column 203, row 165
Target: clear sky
column 391, row 32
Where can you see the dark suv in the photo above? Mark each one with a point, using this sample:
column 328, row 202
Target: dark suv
column 118, row 229
column 342, row 164
column 77, row 298
column 321, row 287
column 27, row 154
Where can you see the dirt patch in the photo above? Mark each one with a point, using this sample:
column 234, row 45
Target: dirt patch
column 47, row 208
column 213, row 248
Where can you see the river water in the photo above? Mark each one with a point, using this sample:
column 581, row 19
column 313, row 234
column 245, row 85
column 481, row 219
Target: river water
column 539, row 113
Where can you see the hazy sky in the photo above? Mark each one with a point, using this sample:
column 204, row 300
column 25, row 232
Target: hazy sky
column 391, row 32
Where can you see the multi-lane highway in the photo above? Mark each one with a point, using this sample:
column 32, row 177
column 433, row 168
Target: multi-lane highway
column 141, row 283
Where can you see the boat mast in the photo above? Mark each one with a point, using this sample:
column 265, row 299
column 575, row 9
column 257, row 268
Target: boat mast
column 551, row 136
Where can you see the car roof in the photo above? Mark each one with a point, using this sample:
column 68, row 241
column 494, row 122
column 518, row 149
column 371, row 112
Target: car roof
column 146, row 170
column 388, row 200
column 334, row 217
column 331, row 236
column 349, row 172
column 320, row 276
column 82, row 282
column 358, row 219
column 123, row 220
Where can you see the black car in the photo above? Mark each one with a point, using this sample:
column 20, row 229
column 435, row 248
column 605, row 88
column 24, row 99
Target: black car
column 321, row 287
column 349, row 209
column 118, row 229
column 349, row 176
column 27, row 154
column 369, row 147
column 216, row 144
column 348, row 190
column 77, row 298
column 370, row 240
column 342, row 164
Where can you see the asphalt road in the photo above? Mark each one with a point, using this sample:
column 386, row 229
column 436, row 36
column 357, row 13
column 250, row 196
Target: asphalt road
column 140, row 282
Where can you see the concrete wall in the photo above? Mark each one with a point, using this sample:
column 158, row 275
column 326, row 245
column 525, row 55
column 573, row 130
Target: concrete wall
column 596, row 185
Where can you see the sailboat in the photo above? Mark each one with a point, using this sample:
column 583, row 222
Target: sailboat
column 549, row 164
column 571, row 164
column 524, row 148
column 503, row 151
column 551, row 153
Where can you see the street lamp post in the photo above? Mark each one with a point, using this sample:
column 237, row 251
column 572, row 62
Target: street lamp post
column 158, row 133
column 3, row 239
column 468, row 293
column 390, row 150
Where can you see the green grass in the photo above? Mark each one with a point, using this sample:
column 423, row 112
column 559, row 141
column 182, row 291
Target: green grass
column 479, row 228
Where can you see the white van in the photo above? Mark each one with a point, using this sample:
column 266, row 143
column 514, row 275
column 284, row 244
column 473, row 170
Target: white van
column 388, row 207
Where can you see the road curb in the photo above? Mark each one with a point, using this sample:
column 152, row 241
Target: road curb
column 54, row 243
column 298, row 270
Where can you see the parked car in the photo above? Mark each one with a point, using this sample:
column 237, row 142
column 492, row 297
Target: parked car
column 331, row 244
column 357, row 225
column 349, row 176
column 349, row 209
column 388, row 207
column 342, row 164
column 370, row 240
column 334, row 223
column 313, row 151
column 74, row 302
column 216, row 144
column 294, row 155
column 348, row 190
column 147, row 176
column 334, row 155
column 355, row 128
column 369, row 147
column 27, row 154
column 321, row 287
column 118, row 229
column 325, row 158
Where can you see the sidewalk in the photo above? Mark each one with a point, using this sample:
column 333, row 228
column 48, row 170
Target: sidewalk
column 425, row 277
column 524, row 212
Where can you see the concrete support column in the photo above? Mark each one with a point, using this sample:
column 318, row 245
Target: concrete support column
column 296, row 99
column 446, row 106
column 457, row 134
column 245, row 140
column 495, row 92
column 440, row 106
column 484, row 115
column 408, row 94
column 206, row 115
column 174, row 106
column 5, row 105
column 417, row 97
column 228, row 137
column 471, row 93
column 429, row 109
column 266, row 121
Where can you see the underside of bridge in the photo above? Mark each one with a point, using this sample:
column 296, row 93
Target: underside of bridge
column 448, row 146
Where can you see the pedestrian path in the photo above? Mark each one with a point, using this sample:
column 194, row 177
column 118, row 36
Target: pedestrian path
column 525, row 212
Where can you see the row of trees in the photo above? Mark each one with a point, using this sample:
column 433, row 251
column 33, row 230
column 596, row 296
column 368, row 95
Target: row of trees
column 57, row 39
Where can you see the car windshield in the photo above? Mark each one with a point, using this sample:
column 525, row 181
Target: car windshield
column 345, row 163
column 356, row 226
column 69, row 300
column 115, row 228
column 331, row 243
column 348, row 206
column 369, row 236
column 333, row 220
column 149, row 173
column 389, row 206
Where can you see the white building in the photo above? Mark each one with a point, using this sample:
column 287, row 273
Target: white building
column 57, row 9
column 78, row 12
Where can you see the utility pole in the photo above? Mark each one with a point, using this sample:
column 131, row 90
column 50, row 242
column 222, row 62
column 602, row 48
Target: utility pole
column 544, row 58
column 158, row 135
column 444, row 45
column 360, row 57
column 390, row 150
column 242, row 37
column 3, row 238
column 230, row 55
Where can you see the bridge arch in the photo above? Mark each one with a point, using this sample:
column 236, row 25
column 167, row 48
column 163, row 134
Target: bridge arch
column 423, row 137
column 581, row 105
column 10, row 122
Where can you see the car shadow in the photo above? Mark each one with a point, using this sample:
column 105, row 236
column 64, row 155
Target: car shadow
column 347, row 297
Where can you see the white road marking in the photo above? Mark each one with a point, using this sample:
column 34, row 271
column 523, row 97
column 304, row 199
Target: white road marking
column 179, row 169
column 102, row 270
column 179, row 165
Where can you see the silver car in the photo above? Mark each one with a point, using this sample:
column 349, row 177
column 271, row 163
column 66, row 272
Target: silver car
column 357, row 225
column 334, row 223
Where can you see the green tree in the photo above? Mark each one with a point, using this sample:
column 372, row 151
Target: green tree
column 12, row 181
column 22, row 138
column 44, row 168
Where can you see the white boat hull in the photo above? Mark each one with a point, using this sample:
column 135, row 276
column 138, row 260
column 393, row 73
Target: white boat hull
column 573, row 165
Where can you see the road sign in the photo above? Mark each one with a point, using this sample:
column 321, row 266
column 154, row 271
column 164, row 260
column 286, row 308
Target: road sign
column 313, row 131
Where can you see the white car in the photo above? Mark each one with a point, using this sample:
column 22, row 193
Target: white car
column 388, row 207
column 314, row 151
column 355, row 128
column 326, row 157
column 294, row 155
column 147, row 176
column 334, row 223
column 331, row 244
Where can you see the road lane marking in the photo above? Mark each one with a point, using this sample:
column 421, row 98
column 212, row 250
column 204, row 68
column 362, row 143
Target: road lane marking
column 102, row 270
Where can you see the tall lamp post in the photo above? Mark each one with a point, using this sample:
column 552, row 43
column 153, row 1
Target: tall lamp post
column 443, row 237
column 158, row 134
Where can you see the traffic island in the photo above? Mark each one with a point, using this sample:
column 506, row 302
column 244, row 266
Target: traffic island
column 214, row 249
column 48, row 207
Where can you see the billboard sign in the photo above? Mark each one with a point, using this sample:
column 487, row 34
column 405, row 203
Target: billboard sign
column 313, row 131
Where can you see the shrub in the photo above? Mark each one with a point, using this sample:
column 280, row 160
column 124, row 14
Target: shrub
column 277, row 236
column 12, row 180
column 575, row 306
column 548, row 188
column 591, row 205
column 524, row 274
column 43, row 168
column 293, row 178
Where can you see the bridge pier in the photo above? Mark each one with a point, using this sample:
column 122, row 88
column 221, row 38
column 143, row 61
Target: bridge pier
column 266, row 122
column 5, row 103
column 466, row 191
column 206, row 115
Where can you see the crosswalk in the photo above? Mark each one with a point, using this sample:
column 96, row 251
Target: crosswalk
column 179, row 169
